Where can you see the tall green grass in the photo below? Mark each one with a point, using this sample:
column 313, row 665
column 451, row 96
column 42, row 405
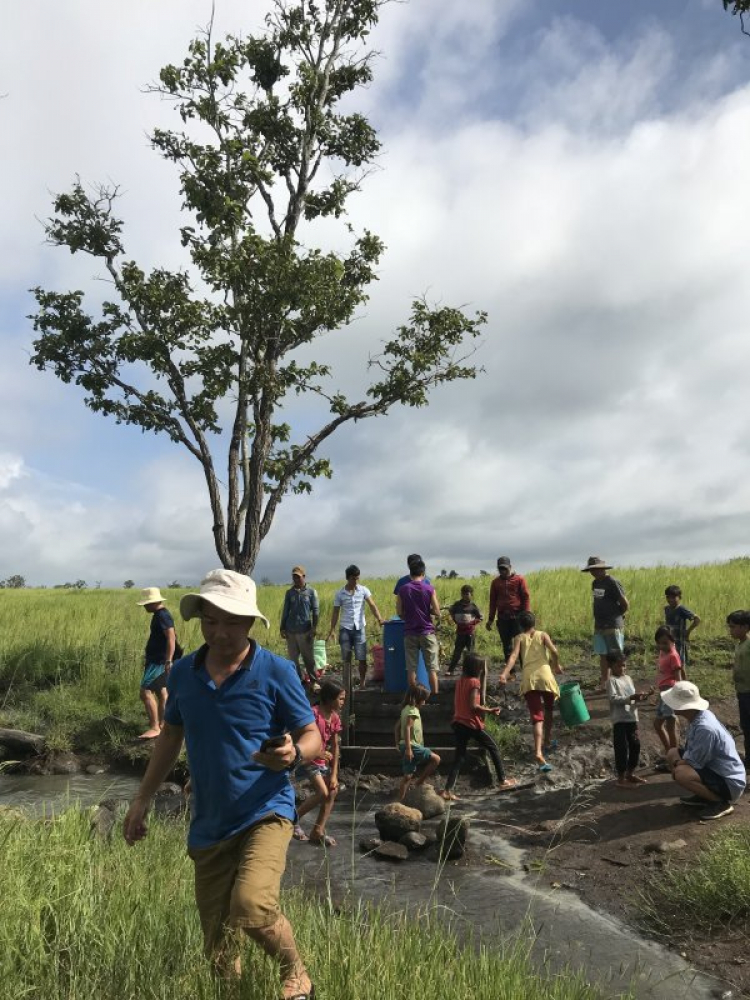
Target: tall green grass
column 68, row 659
column 711, row 891
column 84, row 918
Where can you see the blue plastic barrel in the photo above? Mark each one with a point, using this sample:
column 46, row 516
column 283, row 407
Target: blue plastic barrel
column 395, row 658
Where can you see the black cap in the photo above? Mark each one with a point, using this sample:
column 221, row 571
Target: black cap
column 503, row 562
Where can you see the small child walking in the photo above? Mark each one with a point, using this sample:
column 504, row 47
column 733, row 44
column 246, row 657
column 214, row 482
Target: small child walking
column 323, row 772
column 466, row 616
column 669, row 671
column 539, row 663
column 739, row 629
column 625, row 737
column 418, row 762
column 681, row 620
column 468, row 724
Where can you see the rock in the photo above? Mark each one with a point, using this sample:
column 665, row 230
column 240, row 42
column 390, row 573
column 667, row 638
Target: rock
column 63, row 763
column 19, row 742
column 665, row 846
column 169, row 805
column 96, row 769
column 169, row 788
column 394, row 820
column 414, row 841
column 452, row 835
column 116, row 806
column 548, row 826
column 102, row 822
column 368, row 844
column 426, row 800
column 391, row 851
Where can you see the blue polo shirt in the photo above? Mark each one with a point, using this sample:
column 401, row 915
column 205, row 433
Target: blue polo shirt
column 223, row 727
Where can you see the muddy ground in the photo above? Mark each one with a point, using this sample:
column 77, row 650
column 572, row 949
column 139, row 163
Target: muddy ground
column 584, row 834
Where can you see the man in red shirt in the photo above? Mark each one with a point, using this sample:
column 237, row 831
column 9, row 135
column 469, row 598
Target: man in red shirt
column 509, row 596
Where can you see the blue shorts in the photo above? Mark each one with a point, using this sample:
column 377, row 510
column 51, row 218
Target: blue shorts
column 306, row 772
column 353, row 639
column 609, row 640
column 715, row 783
column 154, row 677
column 420, row 756
column 663, row 711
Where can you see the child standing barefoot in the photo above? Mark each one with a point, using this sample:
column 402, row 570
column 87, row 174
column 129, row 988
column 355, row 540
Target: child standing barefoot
column 415, row 756
column 622, row 699
column 323, row 773
column 540, row 663
column 468, row 724
column 669, row 671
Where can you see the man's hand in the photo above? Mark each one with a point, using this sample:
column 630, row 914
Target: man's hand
column 134, row 826
column 502, row 679
column 277, row 758
column 489, row 626
column 495, row 711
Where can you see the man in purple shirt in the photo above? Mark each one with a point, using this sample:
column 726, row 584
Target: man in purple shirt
column 416, row 603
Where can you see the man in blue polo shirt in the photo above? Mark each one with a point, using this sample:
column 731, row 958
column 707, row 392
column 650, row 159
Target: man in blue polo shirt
column 225, row 700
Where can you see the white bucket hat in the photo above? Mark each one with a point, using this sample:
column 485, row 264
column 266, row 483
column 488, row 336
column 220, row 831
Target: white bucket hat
column 150, row 595
column 684, row 697
column 227, row 590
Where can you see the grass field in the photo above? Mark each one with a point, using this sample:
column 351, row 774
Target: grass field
column 68, row 659
column 85, row 918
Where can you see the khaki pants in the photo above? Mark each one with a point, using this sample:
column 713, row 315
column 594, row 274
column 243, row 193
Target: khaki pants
column 237, row 881
column 430, row 650
column 301, row 644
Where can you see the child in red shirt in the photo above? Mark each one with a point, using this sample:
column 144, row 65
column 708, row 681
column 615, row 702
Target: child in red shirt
column 468, row 724
column 669, row 671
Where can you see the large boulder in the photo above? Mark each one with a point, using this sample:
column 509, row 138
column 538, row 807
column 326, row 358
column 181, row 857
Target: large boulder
column 18, row 742
column 396, row 819
column 102, row 822
column 426, row 799
column 63, row 763
column 452, row 834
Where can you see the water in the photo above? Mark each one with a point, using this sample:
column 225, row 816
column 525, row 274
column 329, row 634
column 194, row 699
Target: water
column 496, row 899
column 41, row 796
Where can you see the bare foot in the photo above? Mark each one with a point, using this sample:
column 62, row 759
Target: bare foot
column 635, row 780
column 449, row 796
column 150, row 734
column 624, row 783
column 505, row 786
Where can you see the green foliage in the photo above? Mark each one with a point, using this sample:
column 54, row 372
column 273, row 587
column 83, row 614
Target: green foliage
column 511, row 742
column 713, row 890
column 267, row 145
column 88, row 918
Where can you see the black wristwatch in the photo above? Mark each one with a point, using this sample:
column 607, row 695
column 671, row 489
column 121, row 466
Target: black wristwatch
column 297, row 757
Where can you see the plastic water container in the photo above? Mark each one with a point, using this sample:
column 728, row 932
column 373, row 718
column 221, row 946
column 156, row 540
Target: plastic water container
column 378, row 663
column 395, row 658
column 320, row 653
column 572, row 705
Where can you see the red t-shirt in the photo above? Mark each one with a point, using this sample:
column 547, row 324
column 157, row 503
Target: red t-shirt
column 463, row 711
column 670, row 666
column 327, row 729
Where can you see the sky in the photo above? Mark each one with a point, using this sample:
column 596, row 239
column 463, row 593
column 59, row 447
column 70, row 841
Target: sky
column 581, row 176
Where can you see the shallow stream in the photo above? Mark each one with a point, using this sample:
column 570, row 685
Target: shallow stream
column 494, row 899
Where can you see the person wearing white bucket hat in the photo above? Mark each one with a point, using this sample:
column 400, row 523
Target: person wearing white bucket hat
column 157, row 660
column 247, row 723
column 708, row 767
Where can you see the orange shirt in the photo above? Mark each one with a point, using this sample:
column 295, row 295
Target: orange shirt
column 463, row 711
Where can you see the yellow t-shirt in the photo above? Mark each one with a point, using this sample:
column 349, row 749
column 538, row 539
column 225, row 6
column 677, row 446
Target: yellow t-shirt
column 411, row 712
column 536, row 672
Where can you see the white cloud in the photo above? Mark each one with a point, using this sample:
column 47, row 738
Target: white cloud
column 604, row 236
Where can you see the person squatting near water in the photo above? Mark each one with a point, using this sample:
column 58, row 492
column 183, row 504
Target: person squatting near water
column 247, row 723
column 157, row 660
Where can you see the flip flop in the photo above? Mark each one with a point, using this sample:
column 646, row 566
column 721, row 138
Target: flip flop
column 299, row 834
column 304, row 996
column 545, row 767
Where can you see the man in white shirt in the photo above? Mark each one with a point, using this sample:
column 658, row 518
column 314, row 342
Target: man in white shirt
column 349, row 603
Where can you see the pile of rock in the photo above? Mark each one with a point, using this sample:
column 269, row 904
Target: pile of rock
column 400, row 831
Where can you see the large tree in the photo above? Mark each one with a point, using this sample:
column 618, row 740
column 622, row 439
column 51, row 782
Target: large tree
column 268, row 145
column 740, row 7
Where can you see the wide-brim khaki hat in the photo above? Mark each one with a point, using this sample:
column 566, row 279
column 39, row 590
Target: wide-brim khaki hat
column 227, row 590
column 684, row 697
column 595, row 562
column 150, row 595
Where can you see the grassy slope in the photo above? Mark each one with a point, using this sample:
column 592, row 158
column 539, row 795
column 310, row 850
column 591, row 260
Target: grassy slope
column 85, row 918
column 68, row 659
